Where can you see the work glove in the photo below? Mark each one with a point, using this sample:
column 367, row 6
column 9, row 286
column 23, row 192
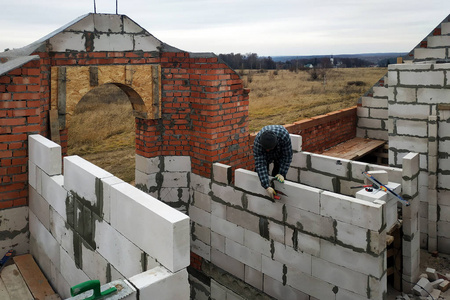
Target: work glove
column 280, row 178
column 271, row 192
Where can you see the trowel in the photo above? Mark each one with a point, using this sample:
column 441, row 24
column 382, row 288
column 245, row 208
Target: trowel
column 91, row 290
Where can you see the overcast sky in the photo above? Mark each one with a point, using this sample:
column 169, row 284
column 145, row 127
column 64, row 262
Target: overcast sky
column 268, row 28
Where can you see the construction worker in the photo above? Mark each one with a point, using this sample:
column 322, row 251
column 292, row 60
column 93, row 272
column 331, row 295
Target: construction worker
column 272, row 145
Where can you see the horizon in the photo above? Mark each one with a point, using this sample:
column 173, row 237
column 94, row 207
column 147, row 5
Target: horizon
column 268, row 29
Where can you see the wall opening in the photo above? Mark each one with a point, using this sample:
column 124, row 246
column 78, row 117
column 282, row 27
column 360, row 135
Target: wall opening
column 103, row 122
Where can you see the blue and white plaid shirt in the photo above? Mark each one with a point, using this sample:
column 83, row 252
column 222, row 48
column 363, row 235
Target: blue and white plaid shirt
column 281, row 153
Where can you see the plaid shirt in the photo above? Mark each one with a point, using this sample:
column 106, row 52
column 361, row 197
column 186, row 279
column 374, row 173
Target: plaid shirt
column 282, row 153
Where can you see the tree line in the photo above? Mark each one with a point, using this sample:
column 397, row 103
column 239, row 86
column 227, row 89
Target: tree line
column 253, row 61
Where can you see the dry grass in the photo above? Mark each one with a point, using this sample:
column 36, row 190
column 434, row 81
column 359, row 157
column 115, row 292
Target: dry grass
column 102, row 129
column 290, row 96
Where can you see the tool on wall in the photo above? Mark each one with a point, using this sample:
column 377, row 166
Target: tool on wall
column 277, row 192
column 379, row 186
column 91, row 290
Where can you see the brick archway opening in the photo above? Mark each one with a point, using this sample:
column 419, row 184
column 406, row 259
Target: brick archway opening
column 101, row 129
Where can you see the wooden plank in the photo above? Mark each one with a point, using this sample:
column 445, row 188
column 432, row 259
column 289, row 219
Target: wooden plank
column 15, row 285
column 62, row 97
column 31, row 273
column 54, row 126
column 354, row 148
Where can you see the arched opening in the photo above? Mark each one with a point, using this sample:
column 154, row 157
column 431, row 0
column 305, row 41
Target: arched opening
column 101, row 129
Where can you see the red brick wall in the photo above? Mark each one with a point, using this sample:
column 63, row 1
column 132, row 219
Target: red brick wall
column 324, row 131
column 204, row 114
column 20, row 115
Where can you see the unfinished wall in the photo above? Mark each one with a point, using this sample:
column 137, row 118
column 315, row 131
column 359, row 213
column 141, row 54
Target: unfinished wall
column 88, row 224
column 419, row 117
column 311, row 243
column 247, row 245
column 409, row 108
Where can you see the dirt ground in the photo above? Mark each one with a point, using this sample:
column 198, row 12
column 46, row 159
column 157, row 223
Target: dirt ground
column 441, row 264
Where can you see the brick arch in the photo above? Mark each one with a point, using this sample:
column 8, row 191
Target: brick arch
column 141, row 83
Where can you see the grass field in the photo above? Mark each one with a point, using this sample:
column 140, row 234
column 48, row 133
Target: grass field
column 102, row 129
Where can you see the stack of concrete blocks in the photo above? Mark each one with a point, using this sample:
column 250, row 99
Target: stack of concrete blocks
column 165, row 178
column 311, row 243
column 88, row 224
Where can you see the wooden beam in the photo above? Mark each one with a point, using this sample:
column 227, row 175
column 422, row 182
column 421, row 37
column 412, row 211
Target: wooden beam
column 54, row 126
column 93, row 76
column 35, row 280
column 62, row 97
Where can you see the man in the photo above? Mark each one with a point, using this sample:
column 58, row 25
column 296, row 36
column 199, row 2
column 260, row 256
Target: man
column 272, row 144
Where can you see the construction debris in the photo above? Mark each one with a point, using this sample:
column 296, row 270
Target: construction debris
column 426, row 289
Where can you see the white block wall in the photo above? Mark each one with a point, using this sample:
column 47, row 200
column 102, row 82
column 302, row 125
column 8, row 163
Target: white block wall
column 418, row 118
column 311, row 243
column 88, row 224
column 165, row 178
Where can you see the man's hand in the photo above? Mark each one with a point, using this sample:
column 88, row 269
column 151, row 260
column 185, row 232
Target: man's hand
column 280, row 178
column 271, row 192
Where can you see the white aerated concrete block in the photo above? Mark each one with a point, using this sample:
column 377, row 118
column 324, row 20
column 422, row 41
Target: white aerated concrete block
column 426, row 53
column 296, row 141
column 228, row 264
column 45, row 154
column 243, row 254
column 256, row 242
column 39, row 207
column 309, row 284
column 228, row 194
column 339, row 276
column 352, row 211
column 126, row 258
column 222, row 173
column 200, row 184
column 288, row 256
column 148, row 165
column 227, row 229
column 351, row 235
column 410, row 164
column 69, row 271
column 132, row 209
column 272, row 268
column 83, row 178
column 330, row 165
column 94, row 265
column 177, row 163
column 432, row 95
column 311, row 223
column 277, row 290
column 438, row 41
column 107, row 183
column 248, row 181
column 62, row 233
column 424, row 78
column 54, row 193
column 346, row 257
column 381, row 176
column 44, row 240
column 159, row 283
